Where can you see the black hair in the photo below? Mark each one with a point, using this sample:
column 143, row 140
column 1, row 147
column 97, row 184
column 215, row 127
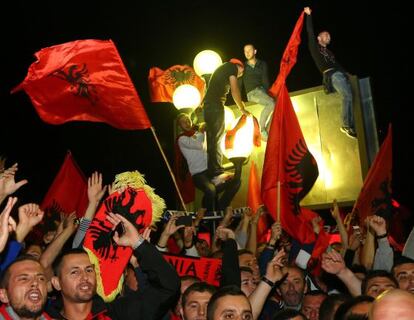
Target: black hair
column 58, row 262
column 5, row 277
column 401, row 260
column 200, row 286
column 374, row 274
column 231, row 290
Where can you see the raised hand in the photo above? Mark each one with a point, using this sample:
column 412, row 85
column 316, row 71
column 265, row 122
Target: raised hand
column 199, row 216
column 335, row 210
column 7, row 223
column 29, row 215
column 131, row 234
column 223, row 233
column 69, row 223
column 332, row 262
column 378, row 224
column 275, row 268
column 276, row 232
column 95, row 189
column 8, row 185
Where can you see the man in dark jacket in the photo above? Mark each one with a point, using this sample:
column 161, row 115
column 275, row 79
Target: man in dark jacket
column 334, row 76
column 76, row 279
column 223, row 80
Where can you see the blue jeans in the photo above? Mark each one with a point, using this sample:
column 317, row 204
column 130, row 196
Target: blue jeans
column 260, row 96
column 342, row 85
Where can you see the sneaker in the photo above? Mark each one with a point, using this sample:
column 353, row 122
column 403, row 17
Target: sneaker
column 264, row 135
column 349, row 132
column 221, row 178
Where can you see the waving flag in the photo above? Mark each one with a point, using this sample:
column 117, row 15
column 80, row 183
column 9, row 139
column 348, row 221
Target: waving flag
column 84, row 80
column 375, row 196
column 289, row 169
column 163, row 83
column 68, row 191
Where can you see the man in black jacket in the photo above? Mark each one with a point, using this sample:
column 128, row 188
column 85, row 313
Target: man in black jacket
column 76, row 279
column 335, row 77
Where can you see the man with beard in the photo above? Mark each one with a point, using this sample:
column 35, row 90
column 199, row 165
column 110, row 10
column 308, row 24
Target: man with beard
column 23, row 290
column 293, row 288
column 76, row 279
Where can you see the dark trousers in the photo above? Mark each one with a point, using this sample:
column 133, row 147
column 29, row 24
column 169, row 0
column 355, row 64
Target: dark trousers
column 214, row 118
column 212, row 200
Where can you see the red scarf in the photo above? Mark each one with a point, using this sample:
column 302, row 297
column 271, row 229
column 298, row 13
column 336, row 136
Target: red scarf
column 231, row 134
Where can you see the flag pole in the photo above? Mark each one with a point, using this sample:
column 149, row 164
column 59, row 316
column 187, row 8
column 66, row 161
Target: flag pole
column 278, row 201
column 169, row 169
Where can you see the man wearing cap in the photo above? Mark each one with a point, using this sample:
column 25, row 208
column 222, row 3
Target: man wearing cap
column 223, row 80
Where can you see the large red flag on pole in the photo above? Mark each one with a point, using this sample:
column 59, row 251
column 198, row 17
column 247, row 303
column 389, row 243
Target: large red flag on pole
column 84, row 80
column 68, row 192
column 289, row 169
column 162, row 83
column 375, row 196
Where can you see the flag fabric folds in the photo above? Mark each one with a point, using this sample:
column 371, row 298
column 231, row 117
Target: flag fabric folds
column 289, row 58
column 375, row 196
column 288, row 162
column 68, row 192
column 162, row 83
column 84, row 80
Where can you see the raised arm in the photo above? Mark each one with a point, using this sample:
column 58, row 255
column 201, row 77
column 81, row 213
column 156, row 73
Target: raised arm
column 384, row 255
column 95, row 193
column 332, row 262
column 274, row 273
column 235, row 92
column 342, row 231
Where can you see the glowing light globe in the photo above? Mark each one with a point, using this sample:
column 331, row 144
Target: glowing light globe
column 206, row 62
column 243, row 141
column 186, row 96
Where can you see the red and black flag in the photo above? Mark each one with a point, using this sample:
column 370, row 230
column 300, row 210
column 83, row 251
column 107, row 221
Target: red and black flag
column 84, row 80
column 375, row 197
column 68, row 192
column 289, row 169
column 162, row 83
column 132, row 198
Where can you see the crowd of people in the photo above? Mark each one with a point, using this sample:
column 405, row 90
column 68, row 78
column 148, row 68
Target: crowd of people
column 360, row 277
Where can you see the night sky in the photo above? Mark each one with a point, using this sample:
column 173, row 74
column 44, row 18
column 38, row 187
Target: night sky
column 164, row 33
